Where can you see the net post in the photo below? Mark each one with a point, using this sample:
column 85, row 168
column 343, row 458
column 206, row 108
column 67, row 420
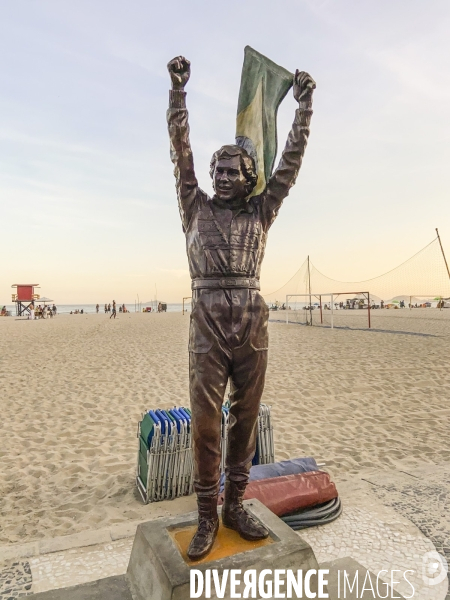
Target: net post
column 321, row 316
column 332, row 311
column 368, row 307
column 287, row 311
column 442, row 250
column 309, row 290
column 186, row 298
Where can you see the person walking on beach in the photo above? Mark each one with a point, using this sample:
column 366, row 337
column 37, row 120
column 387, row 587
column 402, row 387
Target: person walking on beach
column 113, row 314
column 97, row 308
column 32, row 310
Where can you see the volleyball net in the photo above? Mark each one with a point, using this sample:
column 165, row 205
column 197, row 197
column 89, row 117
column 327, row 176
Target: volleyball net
column 387, row 301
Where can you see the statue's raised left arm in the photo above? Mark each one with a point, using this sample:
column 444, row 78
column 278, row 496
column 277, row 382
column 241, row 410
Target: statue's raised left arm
column 286, row 173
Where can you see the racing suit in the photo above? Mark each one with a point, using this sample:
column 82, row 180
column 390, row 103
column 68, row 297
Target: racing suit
column 228, row 337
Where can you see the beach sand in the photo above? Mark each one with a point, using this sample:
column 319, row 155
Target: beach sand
column 72, row 390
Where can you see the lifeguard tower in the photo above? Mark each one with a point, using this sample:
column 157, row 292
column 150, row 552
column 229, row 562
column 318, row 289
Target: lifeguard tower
column 24, row 296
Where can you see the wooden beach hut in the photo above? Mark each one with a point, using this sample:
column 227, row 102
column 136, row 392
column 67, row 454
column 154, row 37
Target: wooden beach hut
column 24, row 296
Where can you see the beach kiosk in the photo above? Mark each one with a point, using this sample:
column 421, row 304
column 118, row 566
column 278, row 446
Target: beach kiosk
column 24, row 296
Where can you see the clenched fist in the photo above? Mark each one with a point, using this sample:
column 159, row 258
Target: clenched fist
column 180, row 70
column 304, row 85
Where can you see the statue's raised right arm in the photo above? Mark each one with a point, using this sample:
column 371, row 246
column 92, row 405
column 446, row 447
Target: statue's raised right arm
column 180, row 148
column 286, row 173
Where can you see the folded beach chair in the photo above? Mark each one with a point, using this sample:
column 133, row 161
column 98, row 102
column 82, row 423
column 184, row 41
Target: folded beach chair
column 165, row 465
column 149, row 436
column 265, row 451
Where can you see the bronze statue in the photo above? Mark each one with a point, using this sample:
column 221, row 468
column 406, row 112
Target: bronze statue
column 228, row 338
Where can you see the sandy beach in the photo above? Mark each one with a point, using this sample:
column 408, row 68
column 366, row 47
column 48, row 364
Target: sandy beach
column 72, row 390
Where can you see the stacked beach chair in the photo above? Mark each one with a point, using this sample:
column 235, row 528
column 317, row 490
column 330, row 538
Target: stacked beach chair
column 265, row 451
column 164, row 464
column 165, row 467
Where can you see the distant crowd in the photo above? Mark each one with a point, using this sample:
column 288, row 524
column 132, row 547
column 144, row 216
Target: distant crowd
column 108, row 308
column 42, row 312
column 112, row 309
column 359, row 303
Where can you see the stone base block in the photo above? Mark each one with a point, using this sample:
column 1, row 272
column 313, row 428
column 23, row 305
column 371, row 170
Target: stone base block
column 110, row 588
column 160, row 570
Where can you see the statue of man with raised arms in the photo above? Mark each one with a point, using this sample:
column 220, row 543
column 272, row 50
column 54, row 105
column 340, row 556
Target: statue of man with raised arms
column 228, row 338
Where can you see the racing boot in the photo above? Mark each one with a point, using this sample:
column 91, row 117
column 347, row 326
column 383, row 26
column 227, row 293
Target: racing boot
column 208, row 525
column 234, row 516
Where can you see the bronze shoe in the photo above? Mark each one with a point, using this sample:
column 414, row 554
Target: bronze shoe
column 234, row 515
column 208, row 526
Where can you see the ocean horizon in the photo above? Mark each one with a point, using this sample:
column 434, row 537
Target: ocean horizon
column 90, row 308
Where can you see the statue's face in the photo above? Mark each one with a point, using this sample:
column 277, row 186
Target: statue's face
column 229, row 182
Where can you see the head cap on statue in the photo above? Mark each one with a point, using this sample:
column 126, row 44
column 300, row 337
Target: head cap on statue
column 233, row 172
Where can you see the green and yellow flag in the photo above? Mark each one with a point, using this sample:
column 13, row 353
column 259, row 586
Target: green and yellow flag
column 264, row 84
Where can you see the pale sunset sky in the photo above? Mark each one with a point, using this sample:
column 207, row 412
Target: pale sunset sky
column 88, row 203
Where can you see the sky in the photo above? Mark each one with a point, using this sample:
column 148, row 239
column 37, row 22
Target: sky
column 87, row 194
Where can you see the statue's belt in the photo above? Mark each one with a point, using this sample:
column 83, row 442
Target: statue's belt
column 226, row 283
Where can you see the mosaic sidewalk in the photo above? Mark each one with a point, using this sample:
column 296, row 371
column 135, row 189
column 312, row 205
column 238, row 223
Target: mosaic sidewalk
column 391, row 520
column 423, row 496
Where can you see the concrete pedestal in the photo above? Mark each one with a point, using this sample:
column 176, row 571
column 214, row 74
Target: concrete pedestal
column 160, row 570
